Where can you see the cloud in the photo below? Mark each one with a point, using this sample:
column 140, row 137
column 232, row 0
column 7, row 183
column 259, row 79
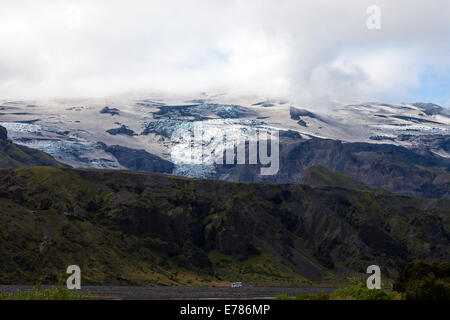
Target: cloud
column 312, row 52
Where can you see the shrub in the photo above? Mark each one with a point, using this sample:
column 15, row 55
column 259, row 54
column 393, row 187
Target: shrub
column 54, row 293
column 283, row 297
column 424, row 281
column 304, row 296
column 361, row 292
column 312, row 296
column 358, row 292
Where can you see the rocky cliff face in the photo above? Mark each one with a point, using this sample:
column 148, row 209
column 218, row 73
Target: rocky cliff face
column 3, row 134
column 142, row 228
column 387, row 166
column 139, row 160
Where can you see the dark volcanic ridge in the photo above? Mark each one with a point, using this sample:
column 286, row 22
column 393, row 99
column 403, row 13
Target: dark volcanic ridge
column 148, row 229
column 139, row 160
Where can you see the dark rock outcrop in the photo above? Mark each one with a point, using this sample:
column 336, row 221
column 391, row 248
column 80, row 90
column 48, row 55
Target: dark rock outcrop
column 122, row 130
column 296, row 113
column 3, row 134
column 431, row 108
column 140, row 160
column 111, row 111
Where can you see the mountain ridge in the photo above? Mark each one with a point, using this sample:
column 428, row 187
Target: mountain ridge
column 393, row 168
column 125, row 227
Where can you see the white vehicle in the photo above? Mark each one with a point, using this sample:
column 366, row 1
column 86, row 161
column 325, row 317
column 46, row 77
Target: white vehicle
column 236, row 284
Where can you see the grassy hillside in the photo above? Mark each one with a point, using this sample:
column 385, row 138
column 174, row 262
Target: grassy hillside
column 320, row 176
column 147, row 229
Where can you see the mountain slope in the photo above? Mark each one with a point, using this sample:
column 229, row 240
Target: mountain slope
column 394, row 168
column 142, row 228
column 319, row 176
column 139, row 160
column 16, row 156
column 404, row 148
column 147, row 123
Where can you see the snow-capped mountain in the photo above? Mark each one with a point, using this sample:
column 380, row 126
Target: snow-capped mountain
column 76, row 132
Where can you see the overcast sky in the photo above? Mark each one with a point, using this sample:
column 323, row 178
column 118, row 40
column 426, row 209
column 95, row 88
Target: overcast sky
column 308, row 51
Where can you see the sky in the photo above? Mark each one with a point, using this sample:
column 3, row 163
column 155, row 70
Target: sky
column 311, row 52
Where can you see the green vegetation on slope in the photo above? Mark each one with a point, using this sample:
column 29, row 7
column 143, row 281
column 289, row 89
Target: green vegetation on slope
column 151, row 229
column 320, row 176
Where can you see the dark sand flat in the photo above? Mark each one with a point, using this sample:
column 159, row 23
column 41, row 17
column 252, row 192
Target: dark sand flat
column 181, row 293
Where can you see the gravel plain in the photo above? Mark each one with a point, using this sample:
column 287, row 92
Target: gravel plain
column 183, row 293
